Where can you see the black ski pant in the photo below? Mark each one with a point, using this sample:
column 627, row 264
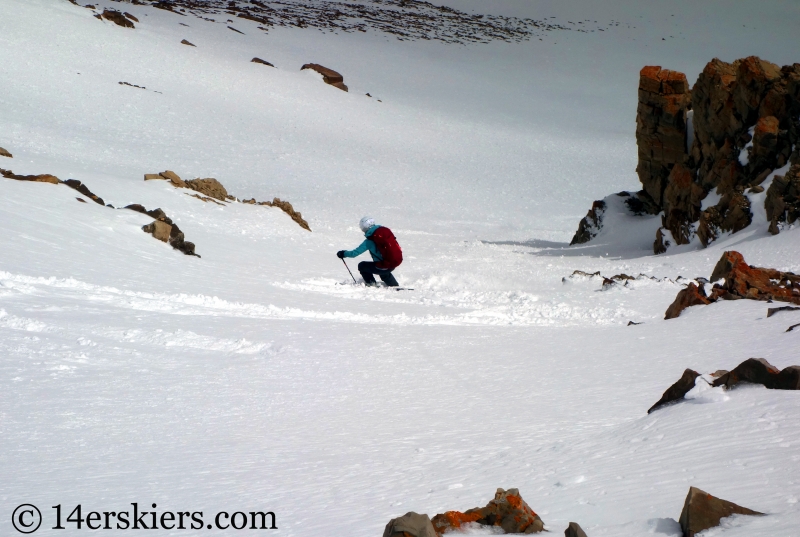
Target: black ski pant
column 368, row 268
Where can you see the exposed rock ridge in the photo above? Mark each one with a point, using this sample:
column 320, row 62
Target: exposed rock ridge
column 213, row 190
column 407, row 20
column 162, row 227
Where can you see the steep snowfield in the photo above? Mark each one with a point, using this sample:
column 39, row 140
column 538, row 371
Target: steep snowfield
column 258, row 377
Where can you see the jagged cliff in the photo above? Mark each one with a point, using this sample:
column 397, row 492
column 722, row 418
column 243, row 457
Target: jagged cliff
column 726, row 136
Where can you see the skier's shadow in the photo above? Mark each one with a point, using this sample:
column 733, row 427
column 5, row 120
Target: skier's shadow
column 545, row 248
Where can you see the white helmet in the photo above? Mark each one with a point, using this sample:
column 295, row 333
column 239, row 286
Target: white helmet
column 366, row 223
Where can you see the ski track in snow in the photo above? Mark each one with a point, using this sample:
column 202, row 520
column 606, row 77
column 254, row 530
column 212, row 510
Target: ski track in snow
column 507, row 308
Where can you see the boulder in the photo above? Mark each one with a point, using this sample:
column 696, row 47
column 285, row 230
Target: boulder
column 263, row 62
column 746, row 281
column 507, row 510
column 153, row 176
column 117, row 18
column 4, row 153
column 702, row 511
column 760, row 371
column 131, row 17
column 158, row 229
column 692, row 295
column 574, row 530
column 210, row 187
column 328, row 75
column 678, row 390
column 410, row 525
column 185, row 42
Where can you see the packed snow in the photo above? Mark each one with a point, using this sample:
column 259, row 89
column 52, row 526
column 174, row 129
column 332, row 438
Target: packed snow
column 259, row 377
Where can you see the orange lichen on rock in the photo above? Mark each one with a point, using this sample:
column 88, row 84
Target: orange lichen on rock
column 507, row 510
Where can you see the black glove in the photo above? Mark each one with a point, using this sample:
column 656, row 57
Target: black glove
column 340, row 254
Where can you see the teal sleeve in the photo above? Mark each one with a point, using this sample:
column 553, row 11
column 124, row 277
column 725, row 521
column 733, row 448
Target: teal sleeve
column 367, row 245
column 363, row 247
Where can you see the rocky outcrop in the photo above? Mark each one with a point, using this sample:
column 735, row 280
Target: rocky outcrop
column 729, row 133
column 507, row 510
column 702, row 511
column 591, row 224
column 677, row 390
column 328, row 75
column 574, row 530
column 117, row 18
column 664, row 99
column 4, row 153
column 739, row 280
column 164, row 229
column 262, row 62
column 209, row 187
column 410, row 525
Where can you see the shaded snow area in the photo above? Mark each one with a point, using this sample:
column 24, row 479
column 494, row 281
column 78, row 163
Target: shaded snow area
column 259, row 377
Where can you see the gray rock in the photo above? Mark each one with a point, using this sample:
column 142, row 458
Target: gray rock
column 701, row 511
column 410, row 525
column 574, row 530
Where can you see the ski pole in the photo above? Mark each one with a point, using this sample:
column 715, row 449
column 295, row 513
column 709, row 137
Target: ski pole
column 348, row 270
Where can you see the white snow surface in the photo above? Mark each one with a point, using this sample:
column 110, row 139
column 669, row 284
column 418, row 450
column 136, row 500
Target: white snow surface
column 258, row 377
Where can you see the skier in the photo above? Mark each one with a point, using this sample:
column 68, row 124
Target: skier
column 386, row 253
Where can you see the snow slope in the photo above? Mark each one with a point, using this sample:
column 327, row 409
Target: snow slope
column 257, row 377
